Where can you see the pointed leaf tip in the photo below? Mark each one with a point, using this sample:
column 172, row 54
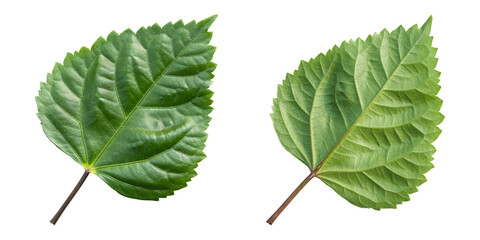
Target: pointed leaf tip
column 207, row 22
column 428, row 24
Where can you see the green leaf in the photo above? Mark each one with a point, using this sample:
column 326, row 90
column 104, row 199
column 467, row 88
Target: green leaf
column 363, row 117
column 134, row 108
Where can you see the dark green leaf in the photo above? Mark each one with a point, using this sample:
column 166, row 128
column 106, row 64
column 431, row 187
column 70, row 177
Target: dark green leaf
column 134, row 109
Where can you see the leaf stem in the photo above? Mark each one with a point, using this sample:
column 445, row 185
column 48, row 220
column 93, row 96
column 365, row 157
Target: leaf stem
column 70, row 197
column 290, row 198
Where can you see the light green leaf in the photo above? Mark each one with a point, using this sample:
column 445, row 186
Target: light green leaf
column 134, row 108
column 363, row 116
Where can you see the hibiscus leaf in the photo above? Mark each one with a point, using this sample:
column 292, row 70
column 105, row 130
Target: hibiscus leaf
column 134, row 108
column 363, row 117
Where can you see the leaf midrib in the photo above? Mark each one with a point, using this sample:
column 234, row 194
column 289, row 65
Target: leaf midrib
column 114, row 136
column 368, row 107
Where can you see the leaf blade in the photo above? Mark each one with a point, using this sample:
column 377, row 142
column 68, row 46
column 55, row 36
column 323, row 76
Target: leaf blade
column 373, row 108
column 142, row 112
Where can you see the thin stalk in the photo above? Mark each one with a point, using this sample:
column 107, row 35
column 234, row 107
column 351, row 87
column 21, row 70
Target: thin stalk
column 70, row 197
column 290, row 198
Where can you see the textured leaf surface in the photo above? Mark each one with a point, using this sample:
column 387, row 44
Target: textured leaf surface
column 134, row 108
column 363, row 116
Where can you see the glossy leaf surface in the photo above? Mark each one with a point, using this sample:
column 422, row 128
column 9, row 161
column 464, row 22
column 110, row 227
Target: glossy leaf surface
column 363, row 117
column 134, row 108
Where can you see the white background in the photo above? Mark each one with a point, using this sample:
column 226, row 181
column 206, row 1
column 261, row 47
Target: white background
column 247, row 173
